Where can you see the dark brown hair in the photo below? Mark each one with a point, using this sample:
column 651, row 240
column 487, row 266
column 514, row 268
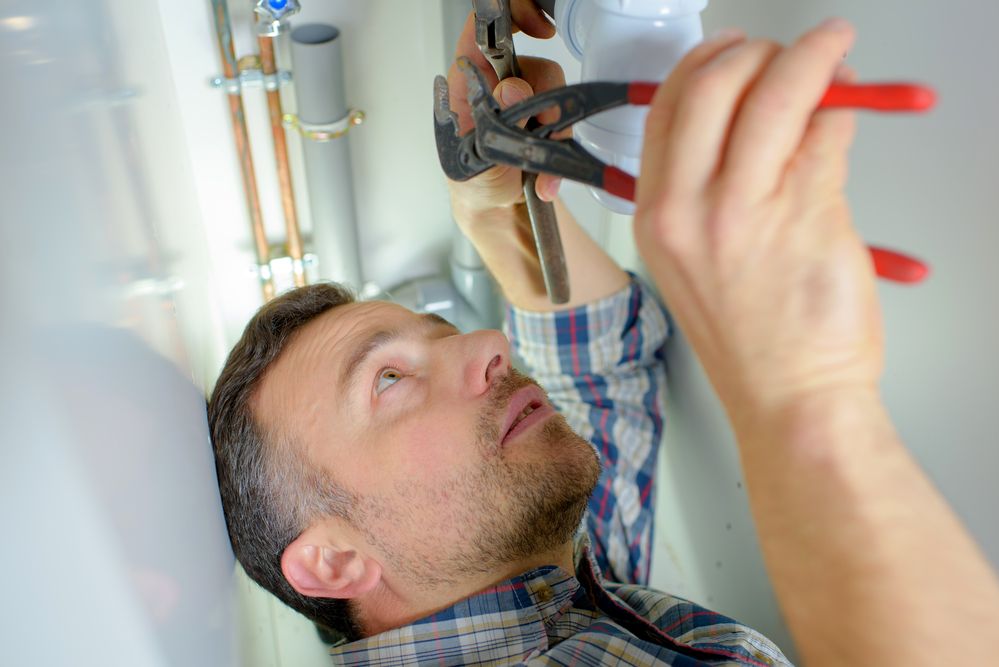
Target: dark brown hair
column 269, row 492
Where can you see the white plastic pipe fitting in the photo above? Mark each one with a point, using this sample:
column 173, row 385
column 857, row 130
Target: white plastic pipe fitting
column 625, row 40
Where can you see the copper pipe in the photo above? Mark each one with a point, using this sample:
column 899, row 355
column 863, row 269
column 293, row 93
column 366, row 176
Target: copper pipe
column 223, row 36
column 294, row 234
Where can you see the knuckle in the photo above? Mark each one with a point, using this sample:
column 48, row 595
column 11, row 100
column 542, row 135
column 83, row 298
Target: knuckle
column 722, row 75
column 822, row 42
column 657, row 227
column 771, row 101
column 547, row 73
column 763, row 48
column 708, row 83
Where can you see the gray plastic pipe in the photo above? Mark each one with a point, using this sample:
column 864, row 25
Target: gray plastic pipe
column 469, row 275
column 320, row 97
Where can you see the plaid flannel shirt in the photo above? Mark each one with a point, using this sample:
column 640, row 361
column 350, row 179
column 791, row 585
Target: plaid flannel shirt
column 602, row 366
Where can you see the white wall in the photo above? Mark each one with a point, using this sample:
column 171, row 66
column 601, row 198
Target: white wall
column 114, row 549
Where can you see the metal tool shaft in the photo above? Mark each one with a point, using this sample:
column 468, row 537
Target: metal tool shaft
column 494, row 36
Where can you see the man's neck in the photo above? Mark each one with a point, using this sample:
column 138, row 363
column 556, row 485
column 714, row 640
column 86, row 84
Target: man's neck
column 395, row 602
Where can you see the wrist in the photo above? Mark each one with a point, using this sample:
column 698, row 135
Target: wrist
column 818, row 421
column 495, row 230
column 471, row 216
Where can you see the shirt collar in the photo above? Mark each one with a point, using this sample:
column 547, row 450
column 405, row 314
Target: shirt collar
column 508, row 620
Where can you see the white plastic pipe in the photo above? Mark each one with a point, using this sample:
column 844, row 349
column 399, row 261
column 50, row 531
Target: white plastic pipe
column 625, row 40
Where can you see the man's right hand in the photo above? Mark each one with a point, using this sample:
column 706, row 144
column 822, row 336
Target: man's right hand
column 742, row 220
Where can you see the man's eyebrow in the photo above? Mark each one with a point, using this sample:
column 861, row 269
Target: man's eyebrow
column 361, row 353
column 378, row 339
column 433, row 319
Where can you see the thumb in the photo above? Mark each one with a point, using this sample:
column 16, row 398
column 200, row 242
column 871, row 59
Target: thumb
column 512, row 90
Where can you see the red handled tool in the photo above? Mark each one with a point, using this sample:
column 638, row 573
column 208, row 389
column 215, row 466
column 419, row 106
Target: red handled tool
column 879, row 97
column 499, row 139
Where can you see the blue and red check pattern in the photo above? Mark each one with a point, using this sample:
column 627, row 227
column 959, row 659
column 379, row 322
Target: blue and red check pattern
column 548, row 617
column 606, row 374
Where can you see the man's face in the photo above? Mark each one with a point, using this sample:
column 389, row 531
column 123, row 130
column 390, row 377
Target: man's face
column 426, row 427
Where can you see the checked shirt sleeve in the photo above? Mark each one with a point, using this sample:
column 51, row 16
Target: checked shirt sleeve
column 602, row 366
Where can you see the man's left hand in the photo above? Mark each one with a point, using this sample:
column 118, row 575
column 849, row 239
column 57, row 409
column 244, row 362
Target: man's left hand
column 500, row 187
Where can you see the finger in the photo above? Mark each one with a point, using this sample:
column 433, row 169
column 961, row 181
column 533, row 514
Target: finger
column 540, row 73
column 822, row 157
column 658, row 120
column 512, row 90
column 543, row 75
column 457, row 86
column 696, row 58
column 529, row 18
column 694, row 145
column 777, row 111
column 547, row 186
column 508, row 92
column 845, row 74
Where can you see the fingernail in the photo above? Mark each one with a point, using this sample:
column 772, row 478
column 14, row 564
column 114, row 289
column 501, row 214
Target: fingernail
column 551, row 191
column 836, row 25
column 726, row 35
column 511, row 94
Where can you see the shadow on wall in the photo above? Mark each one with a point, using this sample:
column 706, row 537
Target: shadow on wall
column 118, row 493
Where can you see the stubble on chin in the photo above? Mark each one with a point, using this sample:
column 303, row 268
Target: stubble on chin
column 510, row 509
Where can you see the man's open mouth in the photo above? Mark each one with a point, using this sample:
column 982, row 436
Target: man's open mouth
column 527, row 407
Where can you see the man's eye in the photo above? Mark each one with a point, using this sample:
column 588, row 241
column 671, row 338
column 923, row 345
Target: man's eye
column 386, row 378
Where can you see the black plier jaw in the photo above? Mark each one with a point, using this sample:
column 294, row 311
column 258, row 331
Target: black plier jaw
column 456, row 153
column 498, row 139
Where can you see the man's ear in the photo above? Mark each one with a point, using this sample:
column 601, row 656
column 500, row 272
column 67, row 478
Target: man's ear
column 316, row 567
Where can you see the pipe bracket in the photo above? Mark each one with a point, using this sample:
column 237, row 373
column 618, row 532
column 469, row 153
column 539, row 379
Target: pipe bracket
column 281, row 269
column 251, row 78
column 325, row 131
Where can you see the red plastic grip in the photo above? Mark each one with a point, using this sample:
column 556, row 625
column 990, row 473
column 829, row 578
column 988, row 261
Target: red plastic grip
column 879, row 97
column 619, row 183
column 872, row 96
column 641, row 92
column 897, row 267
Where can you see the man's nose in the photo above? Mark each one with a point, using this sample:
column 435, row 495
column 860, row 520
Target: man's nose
column 482, row 357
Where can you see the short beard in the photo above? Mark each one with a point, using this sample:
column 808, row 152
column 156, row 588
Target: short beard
column 547, row 499
column 511, row 510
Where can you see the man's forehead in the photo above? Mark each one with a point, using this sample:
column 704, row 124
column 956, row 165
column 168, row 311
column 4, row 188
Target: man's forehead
column 314, row 351
column 340, row 324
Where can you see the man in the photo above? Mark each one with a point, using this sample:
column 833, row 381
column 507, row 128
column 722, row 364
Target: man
column 399, row 482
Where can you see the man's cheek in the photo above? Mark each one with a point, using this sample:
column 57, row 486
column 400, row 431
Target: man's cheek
column 438, row 439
